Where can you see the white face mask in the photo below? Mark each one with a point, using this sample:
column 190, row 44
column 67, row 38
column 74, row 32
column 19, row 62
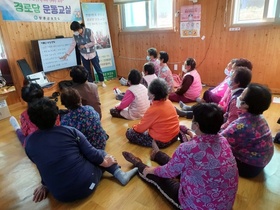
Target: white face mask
column 148, row 58
column 229, row 82
column 227, row 72
column 185, row 70
column 76, row 33
column 239, row 102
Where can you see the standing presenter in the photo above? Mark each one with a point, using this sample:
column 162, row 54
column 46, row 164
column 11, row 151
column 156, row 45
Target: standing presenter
column 84, row 39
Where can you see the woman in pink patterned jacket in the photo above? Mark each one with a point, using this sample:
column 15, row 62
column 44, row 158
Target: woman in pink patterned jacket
column 205, row 164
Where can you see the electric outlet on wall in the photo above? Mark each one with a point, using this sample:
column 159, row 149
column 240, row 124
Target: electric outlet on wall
column 175, row 67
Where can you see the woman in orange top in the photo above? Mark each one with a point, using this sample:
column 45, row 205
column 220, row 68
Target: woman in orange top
column 160, row 122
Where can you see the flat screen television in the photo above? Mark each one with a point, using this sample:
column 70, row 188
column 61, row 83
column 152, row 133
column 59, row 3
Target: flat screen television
column 47, row 53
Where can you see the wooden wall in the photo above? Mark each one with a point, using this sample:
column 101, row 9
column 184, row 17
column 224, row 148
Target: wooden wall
column 258, row 44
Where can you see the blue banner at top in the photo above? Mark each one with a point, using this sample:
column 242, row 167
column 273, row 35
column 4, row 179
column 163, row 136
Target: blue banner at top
column 41, row 10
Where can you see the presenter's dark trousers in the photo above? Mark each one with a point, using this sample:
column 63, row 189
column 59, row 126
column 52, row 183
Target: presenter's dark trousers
column 96, row 66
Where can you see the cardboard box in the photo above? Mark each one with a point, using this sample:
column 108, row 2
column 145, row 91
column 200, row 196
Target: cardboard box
column 4, row 109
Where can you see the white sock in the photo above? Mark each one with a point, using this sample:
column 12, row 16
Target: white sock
column 14, row 123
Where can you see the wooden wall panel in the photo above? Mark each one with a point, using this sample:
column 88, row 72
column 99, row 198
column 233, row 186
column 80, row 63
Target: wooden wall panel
column 258, row 44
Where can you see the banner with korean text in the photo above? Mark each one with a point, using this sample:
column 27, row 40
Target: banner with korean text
column 95, row 18
column 41, row 10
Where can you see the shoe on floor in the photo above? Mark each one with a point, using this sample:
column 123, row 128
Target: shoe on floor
column 123, row 81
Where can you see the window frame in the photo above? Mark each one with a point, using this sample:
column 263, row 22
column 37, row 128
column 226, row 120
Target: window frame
column 147, row 27
column 264, row 22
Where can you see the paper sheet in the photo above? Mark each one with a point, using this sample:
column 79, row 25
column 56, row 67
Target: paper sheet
column 276, row 100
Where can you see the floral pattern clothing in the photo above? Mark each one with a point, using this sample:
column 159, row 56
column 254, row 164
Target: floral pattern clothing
column 27, row 127
column 166, row 74
column 156, row 63
column 250, row 139
column 208, row 173
column 232, row 111
column 87, row 120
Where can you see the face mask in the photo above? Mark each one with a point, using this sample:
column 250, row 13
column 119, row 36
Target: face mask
column 185, row 70
column 229, row 82
column 227, row 72
column 239, row 102
column 76, row 33
column 148, row 58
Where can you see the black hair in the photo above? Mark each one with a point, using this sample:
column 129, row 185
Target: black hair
column 243, row 76
column 134, row 77
column 32, row 92
column 149, row 67
column 258, row 98
column 70, row 98
column 191, row 62
column 244, row 62
column 79, row 74
column 159, row 89
column 209, row 117
column 75, row 26
column 152, row 52
column 43, row 113
column 163, row 56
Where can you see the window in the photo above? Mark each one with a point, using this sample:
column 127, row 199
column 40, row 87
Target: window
column 147, row 15
column 255, row 11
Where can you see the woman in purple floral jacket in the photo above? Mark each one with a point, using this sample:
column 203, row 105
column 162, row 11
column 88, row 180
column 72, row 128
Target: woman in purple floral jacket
column 249, row 135
column 83, row 118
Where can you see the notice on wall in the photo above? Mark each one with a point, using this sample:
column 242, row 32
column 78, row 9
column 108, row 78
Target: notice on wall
column 52, row 49
column 190, row 29
column 190, row 21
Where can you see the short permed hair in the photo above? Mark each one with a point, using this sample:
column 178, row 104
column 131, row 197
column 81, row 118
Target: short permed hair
column 243, row 62
column 209, row 117
column 152, row 52
column 191, row 62
column 159, row 89
column 43, row 113
column 134, row 77
column 150, row 68
column 79, row 74
column 243, row 76
column 163, row 56
column 258, row 98
column 70, row 98
column 32, row 92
